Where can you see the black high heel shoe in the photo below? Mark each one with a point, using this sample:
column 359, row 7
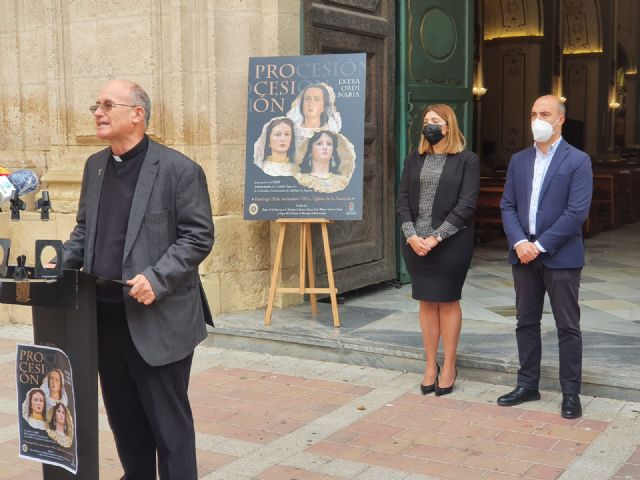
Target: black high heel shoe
column 446, row 390
column 425, row 389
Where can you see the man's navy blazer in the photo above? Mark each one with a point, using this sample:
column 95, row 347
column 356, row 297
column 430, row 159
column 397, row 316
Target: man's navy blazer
column 563, row 205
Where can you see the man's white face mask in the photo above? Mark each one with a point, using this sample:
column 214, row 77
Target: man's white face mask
column 541, row 130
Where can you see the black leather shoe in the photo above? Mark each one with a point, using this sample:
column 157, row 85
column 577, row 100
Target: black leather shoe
column 446, row 390
column 425, row 389
column 571, row 407
column 517, row 396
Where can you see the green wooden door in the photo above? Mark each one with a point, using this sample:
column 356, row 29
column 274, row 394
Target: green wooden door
column 435, row 66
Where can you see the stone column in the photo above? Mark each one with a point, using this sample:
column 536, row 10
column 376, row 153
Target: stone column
column 239, row 270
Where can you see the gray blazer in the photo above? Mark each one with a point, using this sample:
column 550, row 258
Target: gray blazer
column 170, row 232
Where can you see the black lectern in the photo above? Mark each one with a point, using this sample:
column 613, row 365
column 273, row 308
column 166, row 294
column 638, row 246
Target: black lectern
column 64, row 316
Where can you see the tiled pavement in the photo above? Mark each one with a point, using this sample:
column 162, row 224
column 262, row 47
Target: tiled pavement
column 631, row 468
column 380, row 327
column 277, row 418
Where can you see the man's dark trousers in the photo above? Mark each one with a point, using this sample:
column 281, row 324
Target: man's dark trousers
column 147, row 407
column 531, row 281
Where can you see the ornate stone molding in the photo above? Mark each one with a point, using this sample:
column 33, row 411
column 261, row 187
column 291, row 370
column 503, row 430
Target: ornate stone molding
column 512, row 18
column 582, row 27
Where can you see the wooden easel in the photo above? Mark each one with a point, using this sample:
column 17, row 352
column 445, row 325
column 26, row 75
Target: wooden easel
column 306, row 260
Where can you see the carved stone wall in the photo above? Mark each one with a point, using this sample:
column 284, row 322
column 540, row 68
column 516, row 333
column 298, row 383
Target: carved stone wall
column 512, row 69
column 629, row 42
column 512, row 18
column 582, row 78
column 582, row 29
column 191, row 56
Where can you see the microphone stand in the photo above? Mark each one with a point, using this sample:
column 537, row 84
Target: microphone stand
column 44, row 205
column 16, row 205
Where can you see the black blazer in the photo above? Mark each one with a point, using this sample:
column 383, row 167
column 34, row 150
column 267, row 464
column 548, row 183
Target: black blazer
column 456, row 195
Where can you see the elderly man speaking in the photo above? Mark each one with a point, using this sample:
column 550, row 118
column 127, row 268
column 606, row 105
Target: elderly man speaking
column 144, row 217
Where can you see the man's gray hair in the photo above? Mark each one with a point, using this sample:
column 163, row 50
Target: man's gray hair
column 140, row 98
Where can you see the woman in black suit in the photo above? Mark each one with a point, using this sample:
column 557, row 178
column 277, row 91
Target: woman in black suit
column 436, row 203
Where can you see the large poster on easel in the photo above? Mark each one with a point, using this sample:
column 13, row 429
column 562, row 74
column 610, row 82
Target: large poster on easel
column 305, row 137
column 46, row 406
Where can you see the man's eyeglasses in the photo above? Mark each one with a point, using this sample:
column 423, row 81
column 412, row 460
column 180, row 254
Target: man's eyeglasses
column 107, row 106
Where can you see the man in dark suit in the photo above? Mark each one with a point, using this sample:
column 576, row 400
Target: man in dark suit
column 144, row 217
column 545, row 202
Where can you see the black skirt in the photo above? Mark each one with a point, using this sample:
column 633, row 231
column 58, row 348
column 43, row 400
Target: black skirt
column 439, row 275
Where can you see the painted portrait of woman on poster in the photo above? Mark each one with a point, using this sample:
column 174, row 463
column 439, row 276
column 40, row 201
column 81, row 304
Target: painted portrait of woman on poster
column 60, row 425
column 314, row 109
column 53, row 388
column 34, row 409
column 326, row 163
column 275, row 150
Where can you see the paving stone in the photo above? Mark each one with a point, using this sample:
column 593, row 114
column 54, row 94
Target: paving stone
column 265, row 418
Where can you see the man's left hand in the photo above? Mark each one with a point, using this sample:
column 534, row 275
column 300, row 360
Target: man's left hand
column 527, row 252
column 141, row 290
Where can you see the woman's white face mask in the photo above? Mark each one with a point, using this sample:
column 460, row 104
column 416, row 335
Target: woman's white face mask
column 542, row 131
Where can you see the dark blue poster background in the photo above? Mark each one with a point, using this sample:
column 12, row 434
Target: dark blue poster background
column 305, row 137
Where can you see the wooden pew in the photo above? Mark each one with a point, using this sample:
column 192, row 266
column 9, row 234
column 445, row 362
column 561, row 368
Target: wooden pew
column 635, row 194
column 623, row 182
column 616, row 198
column 626, row 198
column 601, row 213
column 488, row 218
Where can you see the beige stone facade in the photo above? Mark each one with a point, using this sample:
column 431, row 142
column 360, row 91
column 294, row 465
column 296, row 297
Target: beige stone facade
column 191, row 56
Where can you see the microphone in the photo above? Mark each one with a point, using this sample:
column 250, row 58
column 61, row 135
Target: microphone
column 21, row 181
column 6, row 189
column 25, row 181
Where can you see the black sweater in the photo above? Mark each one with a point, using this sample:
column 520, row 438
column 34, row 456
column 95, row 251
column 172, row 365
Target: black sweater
column 118, row 188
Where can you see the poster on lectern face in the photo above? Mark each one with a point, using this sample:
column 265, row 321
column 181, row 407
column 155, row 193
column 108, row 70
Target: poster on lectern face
column 305, row 137
column 46, row 406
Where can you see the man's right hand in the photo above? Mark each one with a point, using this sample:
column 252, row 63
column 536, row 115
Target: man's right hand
column 527, row 252
column 419, row 245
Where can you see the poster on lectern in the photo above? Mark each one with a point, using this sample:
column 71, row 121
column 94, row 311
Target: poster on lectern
column 46, row 406
column 305, row 137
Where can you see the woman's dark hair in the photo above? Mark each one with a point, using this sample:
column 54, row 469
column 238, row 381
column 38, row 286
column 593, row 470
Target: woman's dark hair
column 291, row 153
column 334, row 165
column 31, row 394
column 324, row 116
column 52, row 421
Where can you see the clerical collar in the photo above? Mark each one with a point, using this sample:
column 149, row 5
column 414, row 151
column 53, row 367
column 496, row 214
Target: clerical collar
column 128, row 155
